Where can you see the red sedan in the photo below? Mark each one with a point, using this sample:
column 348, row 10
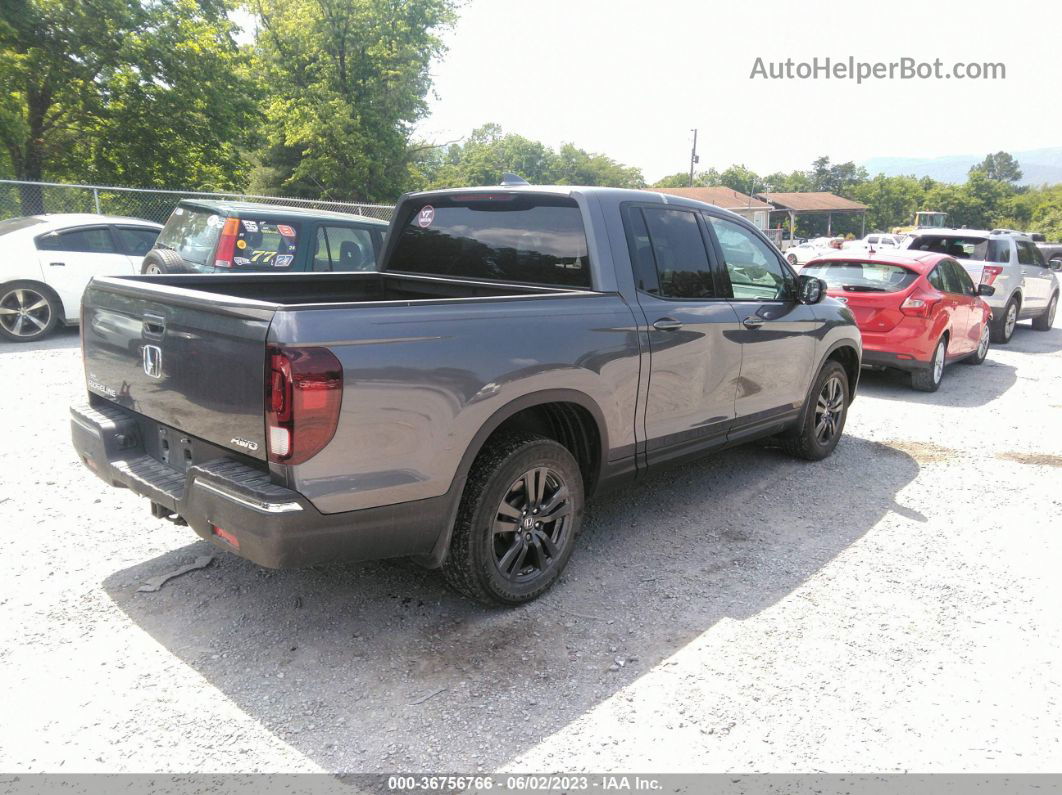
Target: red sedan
column 917, row 310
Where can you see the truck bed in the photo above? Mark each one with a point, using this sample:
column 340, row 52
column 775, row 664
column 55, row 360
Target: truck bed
column 297, row 289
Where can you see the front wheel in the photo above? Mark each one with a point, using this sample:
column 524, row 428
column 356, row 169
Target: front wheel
column 517, row 522
column 823, row 423
column 1045, row 321
column 27, row 312
column 982, row 347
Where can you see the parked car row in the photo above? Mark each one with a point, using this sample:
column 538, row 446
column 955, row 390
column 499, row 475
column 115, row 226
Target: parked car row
column 944, row 297
column 46, row 261
column 512, row 351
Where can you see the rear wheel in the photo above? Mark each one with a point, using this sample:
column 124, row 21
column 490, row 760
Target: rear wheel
column 1003, row 327
column 517, row 523
column 1045, row 321
column 979, row 355
column 824, row 419
column 28, row 312
column 792, row 260
column 928, row 380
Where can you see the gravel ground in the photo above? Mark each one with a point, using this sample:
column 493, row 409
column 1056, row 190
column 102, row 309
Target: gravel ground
column 894, row 608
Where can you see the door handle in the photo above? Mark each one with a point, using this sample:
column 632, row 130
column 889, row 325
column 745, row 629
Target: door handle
column 667, row 324
column 752, row 321
column 57, row 264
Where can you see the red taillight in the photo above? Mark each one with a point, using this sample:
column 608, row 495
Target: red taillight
column 990, row 272
column 225, row 536
column 918, row 305
column 303, row 398
column 227, row 243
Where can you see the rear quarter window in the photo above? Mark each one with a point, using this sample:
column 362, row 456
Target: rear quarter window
column 266, row 244
column 503, row 237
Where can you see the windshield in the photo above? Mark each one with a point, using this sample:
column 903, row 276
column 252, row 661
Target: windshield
column 971, row 247
column 931, row 220
column 192, row 233
column 873, row 277
column 503, row 236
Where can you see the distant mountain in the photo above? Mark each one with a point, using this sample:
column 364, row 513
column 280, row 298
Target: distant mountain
column 1038, row 166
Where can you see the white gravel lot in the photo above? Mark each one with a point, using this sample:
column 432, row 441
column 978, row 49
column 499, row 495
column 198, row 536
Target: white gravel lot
column 895, row 608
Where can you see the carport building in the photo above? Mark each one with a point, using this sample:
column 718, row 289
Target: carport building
column 814, row 203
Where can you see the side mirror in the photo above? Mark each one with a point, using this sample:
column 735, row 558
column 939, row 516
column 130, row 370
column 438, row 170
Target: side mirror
column 1055, row 264
column 986, row 289
column 810, row 289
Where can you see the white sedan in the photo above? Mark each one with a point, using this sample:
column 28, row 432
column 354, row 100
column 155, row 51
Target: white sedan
column 46, row 261
column 798, row 256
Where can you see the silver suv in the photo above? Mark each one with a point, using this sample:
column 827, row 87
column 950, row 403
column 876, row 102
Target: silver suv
column 1026, row 287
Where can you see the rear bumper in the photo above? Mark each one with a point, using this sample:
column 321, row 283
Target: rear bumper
column 907, row 346
column 872, row 358
column 271, row 525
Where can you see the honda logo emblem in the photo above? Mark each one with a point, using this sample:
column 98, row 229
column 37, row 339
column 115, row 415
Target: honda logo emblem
column 153, row 361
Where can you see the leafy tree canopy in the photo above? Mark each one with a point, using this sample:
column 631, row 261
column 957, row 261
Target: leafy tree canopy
column 489, row 152
column 344, row 80
column 122, row 91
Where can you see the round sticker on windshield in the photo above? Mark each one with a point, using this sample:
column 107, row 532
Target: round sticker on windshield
column 213, row 220
column 425, row 216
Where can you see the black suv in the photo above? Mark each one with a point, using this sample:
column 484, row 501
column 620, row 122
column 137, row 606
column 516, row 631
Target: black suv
column 230, row 237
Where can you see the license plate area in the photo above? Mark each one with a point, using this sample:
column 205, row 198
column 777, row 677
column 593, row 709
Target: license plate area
column 172, row 447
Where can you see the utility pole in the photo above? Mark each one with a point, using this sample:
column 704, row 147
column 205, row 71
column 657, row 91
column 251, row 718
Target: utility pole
column 693, row 157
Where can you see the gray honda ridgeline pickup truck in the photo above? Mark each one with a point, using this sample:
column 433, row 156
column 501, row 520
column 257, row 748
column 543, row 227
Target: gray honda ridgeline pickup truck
column 520, row 349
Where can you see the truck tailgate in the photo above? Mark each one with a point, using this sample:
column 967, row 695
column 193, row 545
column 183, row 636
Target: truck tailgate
column 188, row 360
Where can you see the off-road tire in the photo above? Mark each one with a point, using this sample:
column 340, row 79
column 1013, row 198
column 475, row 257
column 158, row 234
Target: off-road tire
column 163, row 260
column 803, row 440
column 470, row 566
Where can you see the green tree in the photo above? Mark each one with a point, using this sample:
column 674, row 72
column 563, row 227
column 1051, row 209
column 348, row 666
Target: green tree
column 346, row 80
column 489, row 152
column 741, row 178
column 1001, row 166
column 892, row 201
column 701, row 179
column 121, row 90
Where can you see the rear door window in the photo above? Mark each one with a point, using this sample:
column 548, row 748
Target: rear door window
column 677, row 252
column 1028, row 254
column 961, row 278
column 95, row 240
column 344, row 248
column 534, row 239
column 266, row 244
column 135, row 241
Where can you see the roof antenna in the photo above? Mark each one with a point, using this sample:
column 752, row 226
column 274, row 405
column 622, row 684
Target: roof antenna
column 509, row 178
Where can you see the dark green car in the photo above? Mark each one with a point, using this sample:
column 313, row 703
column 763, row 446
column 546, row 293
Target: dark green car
column 242, row 237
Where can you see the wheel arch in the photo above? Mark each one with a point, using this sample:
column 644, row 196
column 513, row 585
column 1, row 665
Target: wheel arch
column 577, row 422
column 44, row 288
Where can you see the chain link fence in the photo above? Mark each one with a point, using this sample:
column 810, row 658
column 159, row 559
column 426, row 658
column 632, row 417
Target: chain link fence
column 147, row 203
